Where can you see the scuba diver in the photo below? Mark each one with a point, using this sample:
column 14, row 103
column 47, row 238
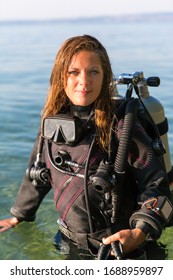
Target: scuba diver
column 110, row 186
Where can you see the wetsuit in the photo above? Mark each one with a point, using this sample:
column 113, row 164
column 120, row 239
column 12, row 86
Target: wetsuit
column 144, row 179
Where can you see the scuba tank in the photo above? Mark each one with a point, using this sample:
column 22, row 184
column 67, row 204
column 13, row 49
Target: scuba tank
column 155, row 109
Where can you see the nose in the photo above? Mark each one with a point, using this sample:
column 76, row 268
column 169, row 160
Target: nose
column 84, row 79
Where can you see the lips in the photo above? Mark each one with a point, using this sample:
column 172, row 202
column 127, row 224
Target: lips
column 83, row 92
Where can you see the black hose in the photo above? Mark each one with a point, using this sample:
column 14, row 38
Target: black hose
column 119, row 171
column 122, row 155
column 126, row 137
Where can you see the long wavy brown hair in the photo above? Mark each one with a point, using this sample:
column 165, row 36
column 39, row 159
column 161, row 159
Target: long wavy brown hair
column 57, row 97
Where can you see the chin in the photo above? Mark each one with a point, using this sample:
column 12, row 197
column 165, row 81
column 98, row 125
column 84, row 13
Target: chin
column 82, row 104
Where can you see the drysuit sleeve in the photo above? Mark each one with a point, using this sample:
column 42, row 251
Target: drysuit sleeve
column 29, row 196
column 154, row 209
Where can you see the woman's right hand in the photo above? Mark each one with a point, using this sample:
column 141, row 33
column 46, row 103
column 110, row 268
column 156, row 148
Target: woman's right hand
column 8, row 223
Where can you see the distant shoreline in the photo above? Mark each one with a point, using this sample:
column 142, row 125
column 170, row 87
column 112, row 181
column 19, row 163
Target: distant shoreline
column 152, row 17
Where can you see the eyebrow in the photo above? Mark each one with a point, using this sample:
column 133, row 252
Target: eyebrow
column 93, row 67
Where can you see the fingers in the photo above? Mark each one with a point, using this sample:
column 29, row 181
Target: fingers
column 8, row 223
column 110, row 239
column 128, row 239
column 4, row 228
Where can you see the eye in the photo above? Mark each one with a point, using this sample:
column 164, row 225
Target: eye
column 73, row 72
column 94, row 72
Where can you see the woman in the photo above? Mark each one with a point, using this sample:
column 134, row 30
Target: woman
column 75, row 153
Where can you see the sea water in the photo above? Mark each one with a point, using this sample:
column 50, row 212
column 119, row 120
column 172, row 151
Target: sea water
column 27, row 53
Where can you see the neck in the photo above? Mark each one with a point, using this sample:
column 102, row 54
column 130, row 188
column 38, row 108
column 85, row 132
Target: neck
column 81, row 111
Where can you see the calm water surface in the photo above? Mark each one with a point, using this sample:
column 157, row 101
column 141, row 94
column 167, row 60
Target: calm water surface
column 27, row 53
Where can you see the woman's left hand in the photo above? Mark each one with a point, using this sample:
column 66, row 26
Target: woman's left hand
column 129, row 238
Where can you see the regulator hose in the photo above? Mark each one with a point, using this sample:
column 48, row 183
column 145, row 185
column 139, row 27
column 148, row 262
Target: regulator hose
column 122, row 154
column 119, row 170
column 126, row 137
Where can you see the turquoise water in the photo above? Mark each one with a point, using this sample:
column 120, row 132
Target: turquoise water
column 27, row 52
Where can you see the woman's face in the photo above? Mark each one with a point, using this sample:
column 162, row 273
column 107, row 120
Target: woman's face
column 84, row 78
